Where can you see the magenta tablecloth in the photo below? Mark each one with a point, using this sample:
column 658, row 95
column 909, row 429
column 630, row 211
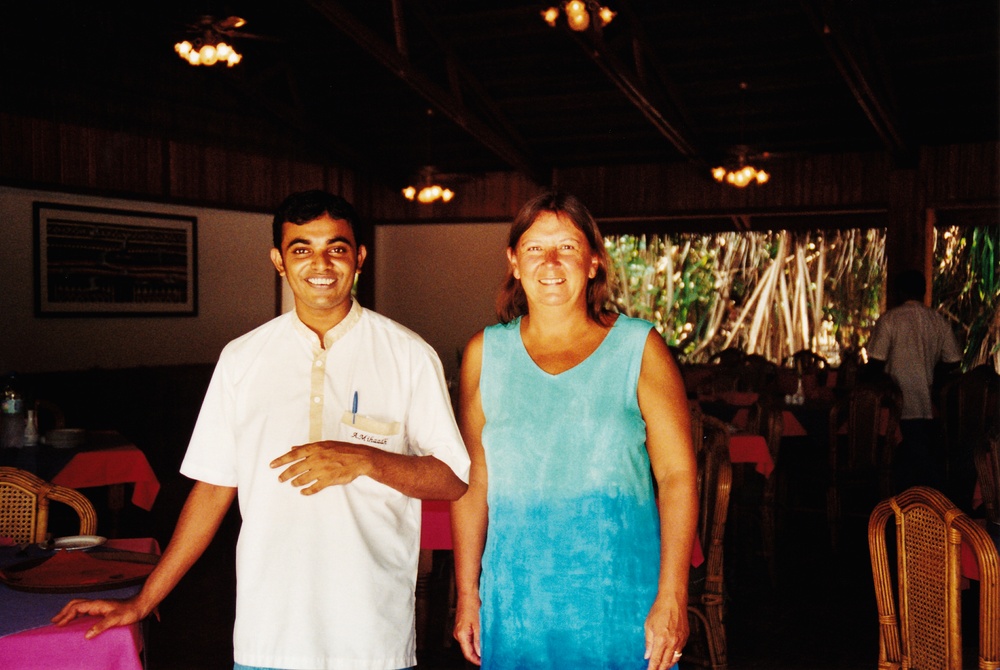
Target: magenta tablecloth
column 42, row 646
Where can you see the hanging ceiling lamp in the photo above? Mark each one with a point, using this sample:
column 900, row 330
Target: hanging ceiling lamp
column 739, row 172
column 427, row 189
column 209, row 48
column 579, row 14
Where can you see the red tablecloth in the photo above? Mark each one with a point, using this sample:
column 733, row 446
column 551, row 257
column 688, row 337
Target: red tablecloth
column 116, row 465
column 53, row 648
column 435, row 530
column 747, row 448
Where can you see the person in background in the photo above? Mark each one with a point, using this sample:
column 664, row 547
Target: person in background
column 329, row 423
column 574, row 416
column 910, row 342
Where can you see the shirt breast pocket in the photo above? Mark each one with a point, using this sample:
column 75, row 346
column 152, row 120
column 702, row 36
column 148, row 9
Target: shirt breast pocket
column 362, row 429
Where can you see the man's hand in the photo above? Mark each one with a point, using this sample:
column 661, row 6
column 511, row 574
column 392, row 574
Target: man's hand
column 112, row 612
column 328, row 463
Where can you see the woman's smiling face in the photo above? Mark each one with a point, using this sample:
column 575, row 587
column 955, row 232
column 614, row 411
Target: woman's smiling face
column 553, row 261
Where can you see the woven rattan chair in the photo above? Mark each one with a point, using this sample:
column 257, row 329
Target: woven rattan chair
column 925, row 585
column 988, row 472
column 862, row 431
column 706, row 602
column 24, row 506
column 767, row 419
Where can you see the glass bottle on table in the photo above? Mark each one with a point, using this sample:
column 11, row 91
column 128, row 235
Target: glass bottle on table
column 12, row 414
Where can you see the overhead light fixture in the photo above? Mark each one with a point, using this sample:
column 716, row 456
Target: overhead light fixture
column 428, row 190
column 579, row 14
column 207, row 53
column 741, row 176
column 741, row 173
column 210, row 49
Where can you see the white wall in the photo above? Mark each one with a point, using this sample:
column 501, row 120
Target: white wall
column 440, row 280
column 236, row 287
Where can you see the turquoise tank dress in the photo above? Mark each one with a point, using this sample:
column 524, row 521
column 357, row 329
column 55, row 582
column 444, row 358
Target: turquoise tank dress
column 572, row 551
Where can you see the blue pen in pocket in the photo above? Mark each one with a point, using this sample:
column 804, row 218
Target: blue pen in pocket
column 354, row 407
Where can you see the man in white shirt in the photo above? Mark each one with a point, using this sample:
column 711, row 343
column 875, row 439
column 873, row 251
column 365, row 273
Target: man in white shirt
column 911, row 341
column 327, row 555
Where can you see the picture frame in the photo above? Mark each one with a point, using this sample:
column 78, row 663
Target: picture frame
column 99, row 262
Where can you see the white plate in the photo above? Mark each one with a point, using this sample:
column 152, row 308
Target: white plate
column 74, row 542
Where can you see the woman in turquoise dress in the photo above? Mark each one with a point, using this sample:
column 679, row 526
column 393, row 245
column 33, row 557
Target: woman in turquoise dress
column 573, row 542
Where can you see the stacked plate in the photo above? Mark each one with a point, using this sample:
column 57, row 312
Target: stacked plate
column 66, row 438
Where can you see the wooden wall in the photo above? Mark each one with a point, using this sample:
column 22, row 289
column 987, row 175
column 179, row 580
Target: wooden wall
column 950, row 184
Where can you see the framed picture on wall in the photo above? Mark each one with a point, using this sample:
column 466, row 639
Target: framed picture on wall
column 91, row 261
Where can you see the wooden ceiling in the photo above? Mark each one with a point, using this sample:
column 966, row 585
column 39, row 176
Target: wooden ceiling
column 351, row 82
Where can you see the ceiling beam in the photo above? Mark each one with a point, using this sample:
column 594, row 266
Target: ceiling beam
column 436, row 96
column 854, row 63
column 636, row 88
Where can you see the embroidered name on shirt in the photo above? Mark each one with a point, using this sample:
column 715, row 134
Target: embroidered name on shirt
column 370, row 439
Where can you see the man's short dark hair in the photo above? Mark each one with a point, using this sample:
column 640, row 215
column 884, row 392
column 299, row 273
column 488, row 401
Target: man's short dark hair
column 911, row 285
column 306, row 206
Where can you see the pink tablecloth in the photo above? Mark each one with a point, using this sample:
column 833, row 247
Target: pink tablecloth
column 435, row 530
column 55, row 648
column 117, row 465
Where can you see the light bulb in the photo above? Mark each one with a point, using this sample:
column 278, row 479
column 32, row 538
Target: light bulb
column 447, row 194
column 606, row 15
column 550, row 16
column 409, row 193
column 577, row 15
column 193, row 58
column 223, row 51
column 208, row 55
column 183, row 48
column 719, row 173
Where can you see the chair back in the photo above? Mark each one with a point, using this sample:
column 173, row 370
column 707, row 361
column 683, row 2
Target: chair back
column 714, row 484
column 987, row 458
column 868, row 417
column 919, row 609
column 757, row 374
column 24, row 506
column 970, row 406
column 805, row 361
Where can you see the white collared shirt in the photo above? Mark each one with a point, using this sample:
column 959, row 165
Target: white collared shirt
column 912, row 339
column 328, row 580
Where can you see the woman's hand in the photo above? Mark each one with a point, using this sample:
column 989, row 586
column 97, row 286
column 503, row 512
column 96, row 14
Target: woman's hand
column 666, row 632
column 467, row 628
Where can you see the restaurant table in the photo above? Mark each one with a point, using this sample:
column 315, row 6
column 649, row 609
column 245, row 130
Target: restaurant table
column 29, row 640
column 110, row 466
column 969, row 566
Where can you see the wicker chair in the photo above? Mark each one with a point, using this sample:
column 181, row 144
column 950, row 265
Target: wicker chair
column 767, row 419
column 24, row 506
column 926, row 632
column 861, row 448
column 706, row 602
column 988, row 471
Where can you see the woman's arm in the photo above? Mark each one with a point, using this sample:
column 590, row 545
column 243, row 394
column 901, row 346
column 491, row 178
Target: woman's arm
column 469, row 513
column 664, row 407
